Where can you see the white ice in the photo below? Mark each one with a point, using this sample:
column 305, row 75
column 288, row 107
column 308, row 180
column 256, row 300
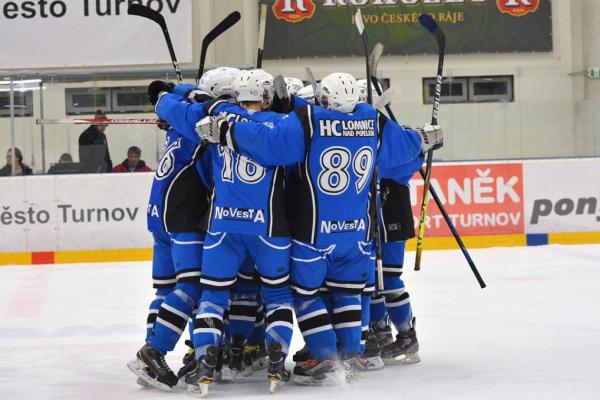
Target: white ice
column 67, row 331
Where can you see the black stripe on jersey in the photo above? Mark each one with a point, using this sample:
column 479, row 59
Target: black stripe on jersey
column 306, row 224
column 217, row 284
column 260, row 316
column 210, row 106
column 403, row 297
column 369, row 289
column 278, row 225
column 208, row 323
column 272, row 282
column 162, row 282
column 354, row 287
column 371, row 210
column 346, row 316
column 299, row 290
column 282, row 314
column 392, row 269
column 317, row 321
column 363, row 335
column 381, row 121
column 234, row 142
column 172, row 318
column 185, row 198
column 248, row 279
column 191, row 275
column 207, row 220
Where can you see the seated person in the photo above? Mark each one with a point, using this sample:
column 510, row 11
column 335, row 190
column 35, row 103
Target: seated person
column 20, row 167
column 132, row 163
column 65, row 158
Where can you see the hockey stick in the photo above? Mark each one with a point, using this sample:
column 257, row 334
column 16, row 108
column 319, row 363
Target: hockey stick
column 224, row 25
column 382, row 103
column 261, row 35
column 442, row 210
column 283, row 95
column 313, row 82
column 115, row 121
column 374, row 59
column 147, row 12
column 429, row 23
column 379, row 252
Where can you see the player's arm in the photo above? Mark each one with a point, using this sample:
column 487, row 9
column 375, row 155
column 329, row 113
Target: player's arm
column 181, row 115
column 400, row 145
column 267, row 143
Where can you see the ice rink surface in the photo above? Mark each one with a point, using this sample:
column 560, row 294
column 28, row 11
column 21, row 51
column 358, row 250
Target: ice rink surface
column 67, row 331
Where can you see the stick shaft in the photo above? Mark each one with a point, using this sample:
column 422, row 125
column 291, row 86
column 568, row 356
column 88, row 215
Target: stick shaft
column 261, row 35
column 114, row 121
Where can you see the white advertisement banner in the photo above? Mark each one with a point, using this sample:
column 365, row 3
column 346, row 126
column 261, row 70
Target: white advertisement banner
column 60, row 33
column 562, row 196
column 74, row 212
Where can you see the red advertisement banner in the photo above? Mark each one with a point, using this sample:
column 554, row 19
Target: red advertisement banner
column 480, row 199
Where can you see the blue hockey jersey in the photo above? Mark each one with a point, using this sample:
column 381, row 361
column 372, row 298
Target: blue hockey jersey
column 179, row 194
column 247, row 198
column 338, row 152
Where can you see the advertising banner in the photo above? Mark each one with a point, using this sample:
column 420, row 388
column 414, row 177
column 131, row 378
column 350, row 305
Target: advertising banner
column 55, row 33
column 562, row 196
column 480, row 199
column 74, row 212
column 326, row 28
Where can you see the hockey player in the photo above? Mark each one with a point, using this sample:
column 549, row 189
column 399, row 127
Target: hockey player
column 246, row 217
column 338, row 147
column 396, row 228
column 178, row 202
column 294, row 85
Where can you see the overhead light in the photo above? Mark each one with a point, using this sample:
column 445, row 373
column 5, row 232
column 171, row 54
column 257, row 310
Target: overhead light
column 23, row 89
column 21, row 82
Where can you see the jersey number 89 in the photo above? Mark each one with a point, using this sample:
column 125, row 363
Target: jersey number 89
column 335, row 161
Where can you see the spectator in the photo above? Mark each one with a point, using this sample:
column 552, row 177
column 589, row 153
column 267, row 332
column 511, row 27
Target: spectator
column 93, row 147
column 20, row 168
column 132, row 163
column 65, row 158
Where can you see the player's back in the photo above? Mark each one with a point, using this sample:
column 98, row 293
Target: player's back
column 337, row 199
column 247, row 197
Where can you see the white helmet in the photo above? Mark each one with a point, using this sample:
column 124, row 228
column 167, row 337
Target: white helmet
column 218, row 81
column 363, row 86
column 339, row 92
column 255, row 85
column 293, row 85
column 307, row 93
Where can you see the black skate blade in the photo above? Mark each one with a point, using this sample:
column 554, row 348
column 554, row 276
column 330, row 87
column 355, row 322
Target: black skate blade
column 137, row 367
column 200, row 390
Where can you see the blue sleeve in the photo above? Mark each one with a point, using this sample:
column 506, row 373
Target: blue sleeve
column 182, row 89
column 398, row 146
column 299, row 102
column 270, row 144
column 404, row 172
column 180, row 114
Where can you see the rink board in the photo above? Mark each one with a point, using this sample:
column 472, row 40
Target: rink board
column 102, row 217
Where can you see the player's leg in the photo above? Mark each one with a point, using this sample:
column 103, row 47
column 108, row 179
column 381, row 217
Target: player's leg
column 223, row 255
column 308, row 269
column 369, row 345
column 346, row 279
column 272, row 258
column 256, row 346
column 397, row 303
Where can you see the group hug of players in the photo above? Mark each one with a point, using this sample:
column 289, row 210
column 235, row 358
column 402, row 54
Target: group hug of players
column 264, row 206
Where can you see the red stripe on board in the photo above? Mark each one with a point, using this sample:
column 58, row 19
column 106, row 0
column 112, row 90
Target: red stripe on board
column 45, row 257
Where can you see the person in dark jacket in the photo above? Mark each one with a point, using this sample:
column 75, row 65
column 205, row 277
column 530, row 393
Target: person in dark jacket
column 20, row 167
column 132, row 163
column 93, row 147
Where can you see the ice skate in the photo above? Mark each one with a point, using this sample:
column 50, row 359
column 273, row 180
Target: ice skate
column 404, row 350
column 384, row 334
column 235, row 360
column 372, row 353
column 277, row 373
column 255, row 359
column 301, row 356
column 204, row 374
column 320, row 372
column 151, row 367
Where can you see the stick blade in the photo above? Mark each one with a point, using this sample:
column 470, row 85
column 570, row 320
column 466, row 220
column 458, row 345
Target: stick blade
column 360, row 25
column 387, row 97
column 374, row 58
column 146, row 12
column 224, row 25
column 428, row 22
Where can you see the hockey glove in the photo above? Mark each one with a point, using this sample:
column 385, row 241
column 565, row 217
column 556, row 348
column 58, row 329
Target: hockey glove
column 155, row 89
column 281, row 97
column 212, row 130
column 432, row 137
